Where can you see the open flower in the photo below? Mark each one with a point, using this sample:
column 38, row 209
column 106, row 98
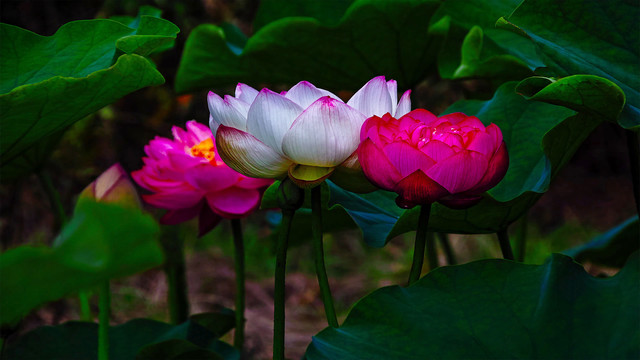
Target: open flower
column 189, row 179
column 451, row 159
column 305, row 132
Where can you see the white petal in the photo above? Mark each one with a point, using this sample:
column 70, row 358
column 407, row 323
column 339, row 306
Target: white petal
column 305, row 93
column 213, row 125
column 325, row 134
column 225, row 112
column 246, row 93
column 373, row 98
column 404, row 106
column 248, row 155
column 270, row 117
column 392, row 86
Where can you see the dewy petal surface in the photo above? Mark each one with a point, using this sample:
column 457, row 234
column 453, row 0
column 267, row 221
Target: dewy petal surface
column 373, row 98
column 324, row 135
column 270, row 117
column 304, row 94
column 247, row 155
column 225, row 113
column 459, row 172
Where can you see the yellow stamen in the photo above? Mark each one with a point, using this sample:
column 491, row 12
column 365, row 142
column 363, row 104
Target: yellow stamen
column 205, row 149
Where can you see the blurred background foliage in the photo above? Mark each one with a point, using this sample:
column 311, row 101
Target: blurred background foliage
column 590, row 195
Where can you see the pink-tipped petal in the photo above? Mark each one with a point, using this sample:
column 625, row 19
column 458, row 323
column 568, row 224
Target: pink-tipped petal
column 174, row 217
column 376, row 167
column 248, row 155
column 225, row 113
column 174, row 200
column 234, row 202
column 304, row 94
column 404, row 106
column 324, row 135
column 418, row 189
column 496, row 170
column 270, row 117
column 373, row 98
column 246, row 93
column 209, row 178
column 406, row 158
column 459, row 172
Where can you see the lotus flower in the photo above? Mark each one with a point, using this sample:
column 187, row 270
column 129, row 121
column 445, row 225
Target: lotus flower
column 305, row 132
column 451, row 159
column 113, row 186
column 189, row 179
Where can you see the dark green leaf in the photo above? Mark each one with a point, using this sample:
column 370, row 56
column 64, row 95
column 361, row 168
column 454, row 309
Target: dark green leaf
column 374, row 37
column 586, row 37
column 327, row 12
column 218, row 323
column 176, row 350
column 101, row 242
column 611, row 248
column 494, row 309
column 583, row 93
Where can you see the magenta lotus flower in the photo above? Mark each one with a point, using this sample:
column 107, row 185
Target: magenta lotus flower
column 451, row 159
column 188, row 178
column 305, row 132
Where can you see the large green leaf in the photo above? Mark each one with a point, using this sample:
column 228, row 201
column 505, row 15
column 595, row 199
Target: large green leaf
column 102, row 241
column 494, row 309
column 373, row 37
column 136, row 339
column 587, row 37
column 540, row 139
column 49, row 82
column 327, row 12
column 611, row 248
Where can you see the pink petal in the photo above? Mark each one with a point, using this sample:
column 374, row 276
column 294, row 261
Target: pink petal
column 370, row 128
column 422, row 115
column 455, row 118
column 482, row 142
column 418, row 189
column 200, row 131
column 210, row 178
column 404, row 106
column 495, row 133
column 234, row 202
column 471, row 122
column 497, row 169
column 181, row 161
column 246, row 93
column 324, row 135
column 173, row 217
column 459, row 172
column 207, row 220
column 437, row 150
column 406, row 158
column 248, row 155
column 305, row 93
column 373, row 98
column 183, row 136
column 376, row 167
column 270, row 117
column 174, row 200
column 253, row 183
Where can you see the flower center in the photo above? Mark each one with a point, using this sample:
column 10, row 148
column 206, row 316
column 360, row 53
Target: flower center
column 205, row 149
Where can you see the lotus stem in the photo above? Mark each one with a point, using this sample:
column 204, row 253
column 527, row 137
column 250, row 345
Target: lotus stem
column 103, row 325
column 175, row 271
column 321, row 271
column 448, row 250
column 420, row 243
column 281, row 264
column 236, row 228
column 633, row 144
column 505, row 245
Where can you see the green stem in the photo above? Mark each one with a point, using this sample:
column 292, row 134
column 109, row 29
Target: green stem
column 103, row 329
column 238, row 338
column 448, row 250
column 321, row 271
column 85, row 309
column 633, row 145
column 521, row 243
column 505, row 245
column 175, row 271
column 281, row 264
column 419, row 245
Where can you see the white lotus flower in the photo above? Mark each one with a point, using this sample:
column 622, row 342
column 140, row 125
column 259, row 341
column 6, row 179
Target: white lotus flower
column 305, row 132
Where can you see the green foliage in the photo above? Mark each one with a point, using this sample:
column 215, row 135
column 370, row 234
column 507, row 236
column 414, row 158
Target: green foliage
column 101, row 242
column 586, row 37
column 373, row 37
column 494, row 309
column 136, row 339
column 49, row 82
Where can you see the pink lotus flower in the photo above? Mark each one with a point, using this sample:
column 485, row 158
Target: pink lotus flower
column 451, row 159
column 189, row 179
column 306, row 132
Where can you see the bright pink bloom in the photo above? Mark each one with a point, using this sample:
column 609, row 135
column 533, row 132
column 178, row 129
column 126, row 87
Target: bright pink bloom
column 189, row 179
column 451, row 159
